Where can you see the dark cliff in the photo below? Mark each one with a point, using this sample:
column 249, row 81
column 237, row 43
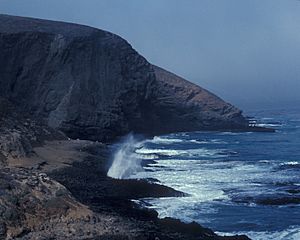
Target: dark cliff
column 184, row 106
column 92, row 84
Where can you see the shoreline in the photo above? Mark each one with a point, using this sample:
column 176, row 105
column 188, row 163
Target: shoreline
column 68, row 178
column 88, row 183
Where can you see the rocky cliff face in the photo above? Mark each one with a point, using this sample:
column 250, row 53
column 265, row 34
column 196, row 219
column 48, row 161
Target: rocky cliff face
column 184, row 106
column 92, row 84
column 32, row 201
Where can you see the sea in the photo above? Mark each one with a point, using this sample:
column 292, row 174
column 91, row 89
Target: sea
column 236, row 182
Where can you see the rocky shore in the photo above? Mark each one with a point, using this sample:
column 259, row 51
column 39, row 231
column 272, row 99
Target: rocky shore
column 64, row 89
column 76, row 200
column 54, row 187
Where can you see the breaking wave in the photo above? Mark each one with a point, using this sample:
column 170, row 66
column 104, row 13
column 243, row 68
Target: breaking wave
column 236, row 182
column 163, row 140
column 292, row 233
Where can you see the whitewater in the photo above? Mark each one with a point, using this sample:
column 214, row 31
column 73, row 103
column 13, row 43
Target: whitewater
column 237, row 183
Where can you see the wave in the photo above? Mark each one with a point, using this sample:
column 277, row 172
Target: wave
column 164, row 152
column 213, row 141
column 130, row 152
column 292, row 233
column 267, row 118
column 166, row 140
column 289, row 165
column 148, row 156
column 228, row 133
column 223, row 177
column 292, row 163
column 268, row 125
column 199, row 141
column 201, row 152
column 206, row 153
column 234, row 133
column 264, row 161
column 162, row 140
column 218, row 141
column 183, row 208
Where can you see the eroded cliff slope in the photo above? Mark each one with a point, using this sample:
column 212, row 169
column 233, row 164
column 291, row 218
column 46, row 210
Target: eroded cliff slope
column 184, row 106
column 92, row 84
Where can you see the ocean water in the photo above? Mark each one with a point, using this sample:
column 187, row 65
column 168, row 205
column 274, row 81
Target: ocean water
column 245, row 183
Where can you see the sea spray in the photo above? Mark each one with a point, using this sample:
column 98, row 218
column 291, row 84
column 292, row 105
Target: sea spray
column 125, row 160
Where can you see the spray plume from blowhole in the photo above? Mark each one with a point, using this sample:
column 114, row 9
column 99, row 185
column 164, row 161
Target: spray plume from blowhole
column 125, row 159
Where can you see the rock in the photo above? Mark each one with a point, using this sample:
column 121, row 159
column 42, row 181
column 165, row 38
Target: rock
column 28, row 200
column 19, row 132
column 15, row 144
column 92, row 84
column 35, row 205
column 184, row 106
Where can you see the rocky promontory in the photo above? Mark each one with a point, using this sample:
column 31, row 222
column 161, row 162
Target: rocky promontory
column 64, row 88
column 92, row 84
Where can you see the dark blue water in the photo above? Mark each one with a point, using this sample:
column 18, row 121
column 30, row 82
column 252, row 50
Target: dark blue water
column 238, row 182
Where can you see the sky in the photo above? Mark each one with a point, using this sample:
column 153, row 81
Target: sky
column 245, row 51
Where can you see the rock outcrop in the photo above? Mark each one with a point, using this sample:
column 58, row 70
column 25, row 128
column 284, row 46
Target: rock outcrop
column 31, row 201
column 184, row 106
column 35, row 205
column 19, row 133
column 92, row 84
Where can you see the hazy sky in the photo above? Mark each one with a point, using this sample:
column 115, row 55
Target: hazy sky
column 246, row 51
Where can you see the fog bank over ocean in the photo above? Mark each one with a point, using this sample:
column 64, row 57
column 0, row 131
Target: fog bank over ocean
column 247, row 52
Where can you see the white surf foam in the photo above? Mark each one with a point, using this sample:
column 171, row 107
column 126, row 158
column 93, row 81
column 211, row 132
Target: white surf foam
column 184, row 208
column 162, row 140
column 267, row 118
column 291, row 163
column 213, row 141
column 165, row 152
column 233, row 133
column 200, row 152
column 194, row 176
column 268, row 125
column 292, row 233
column 199, row 141
column 148, row 156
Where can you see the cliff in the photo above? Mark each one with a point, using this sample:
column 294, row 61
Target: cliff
column 184, row 106
column 92, row 84
column 61, row 81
